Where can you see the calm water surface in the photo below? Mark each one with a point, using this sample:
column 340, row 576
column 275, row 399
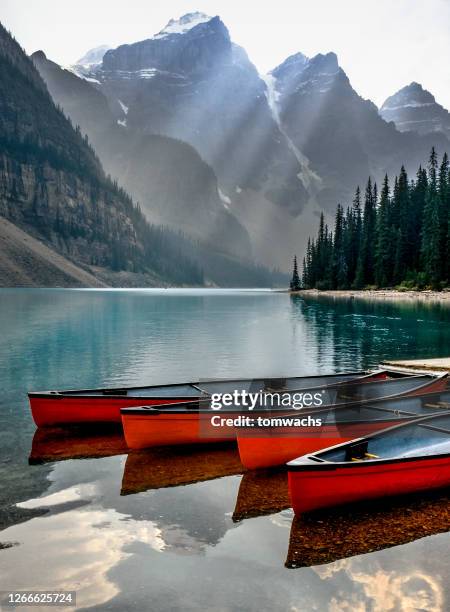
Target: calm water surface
column 66, row 524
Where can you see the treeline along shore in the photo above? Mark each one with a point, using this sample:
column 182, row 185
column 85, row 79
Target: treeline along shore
column 397, row 237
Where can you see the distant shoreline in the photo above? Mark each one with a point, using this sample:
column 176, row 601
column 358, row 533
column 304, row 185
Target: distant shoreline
column 380, row 294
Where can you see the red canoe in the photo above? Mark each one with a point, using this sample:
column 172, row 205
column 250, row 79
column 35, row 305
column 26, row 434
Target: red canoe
column 267, row 447
column 50, row 408
column 197, row 422
column 402, row 459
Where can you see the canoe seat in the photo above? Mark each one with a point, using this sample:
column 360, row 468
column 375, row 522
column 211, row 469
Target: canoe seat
column 356, row 451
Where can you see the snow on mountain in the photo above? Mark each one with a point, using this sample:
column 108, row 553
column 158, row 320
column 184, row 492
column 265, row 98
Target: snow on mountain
column 183, row 24
column 224, row 199
column 123, row 107
column 90, row 60
column 93, row 57
column 191, row 75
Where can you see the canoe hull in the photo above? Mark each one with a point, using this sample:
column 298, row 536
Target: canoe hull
column 48, row 411
column 277, row 446
column 281, row 447
column 315, row 489
column 171, row 430
column 53, row 408
column 103, row 405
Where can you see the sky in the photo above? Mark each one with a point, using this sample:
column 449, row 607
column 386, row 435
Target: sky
column 382, row 45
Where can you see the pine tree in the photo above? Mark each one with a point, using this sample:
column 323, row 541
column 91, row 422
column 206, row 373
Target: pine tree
column 444, row 214
column 431, row 241
column 403, row 231
column 418, row 196
column 315, row 271
column 304, row 273
column 365, row 268
column 295, row 281
column 307, row 279
column 339, row 265
column 432, row 167
column 321, row 247
column 447, row 257
column 431, row 231
column 354, row 226
column 383, row 259
column 403, row 238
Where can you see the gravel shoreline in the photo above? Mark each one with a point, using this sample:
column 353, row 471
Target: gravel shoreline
column 381, row 294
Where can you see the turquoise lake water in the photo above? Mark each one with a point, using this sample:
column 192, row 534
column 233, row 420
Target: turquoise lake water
column 66, row 524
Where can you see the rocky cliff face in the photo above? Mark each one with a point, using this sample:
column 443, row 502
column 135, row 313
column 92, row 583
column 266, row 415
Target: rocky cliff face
column 179, row 190
column 52, row 186
column 193, row 44
column 342, row 135
column 11, row 50
column 284, row 147
column 69, row 213
column 188, row 199
column 192, row 83
column 414, row 109
column 52, row 183
column 83, row 103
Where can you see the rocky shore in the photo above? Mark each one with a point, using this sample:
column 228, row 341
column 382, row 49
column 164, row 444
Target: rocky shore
column 380, row 294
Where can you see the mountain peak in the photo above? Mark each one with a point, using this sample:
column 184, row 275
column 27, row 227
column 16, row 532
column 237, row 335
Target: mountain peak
column 183, row 24
column 194, row 42
column 410, row 96
column 413, row 108
column 38, row 56
column 322, row 65
column 293, row 64
column 327, row 62
column 297, row 58
column 417, row 90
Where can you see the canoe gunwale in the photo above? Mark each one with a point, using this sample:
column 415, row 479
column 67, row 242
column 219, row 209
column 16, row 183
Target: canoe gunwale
column 64, row 395
column 109, row 392
column 362, row 379
column 191, row 407
column 328, row 466
column 313, row 462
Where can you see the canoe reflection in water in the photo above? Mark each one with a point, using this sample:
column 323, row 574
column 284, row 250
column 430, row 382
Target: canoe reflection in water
column 262, row 492
column 87, row 442
column 331, row 535
column 170, row 467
